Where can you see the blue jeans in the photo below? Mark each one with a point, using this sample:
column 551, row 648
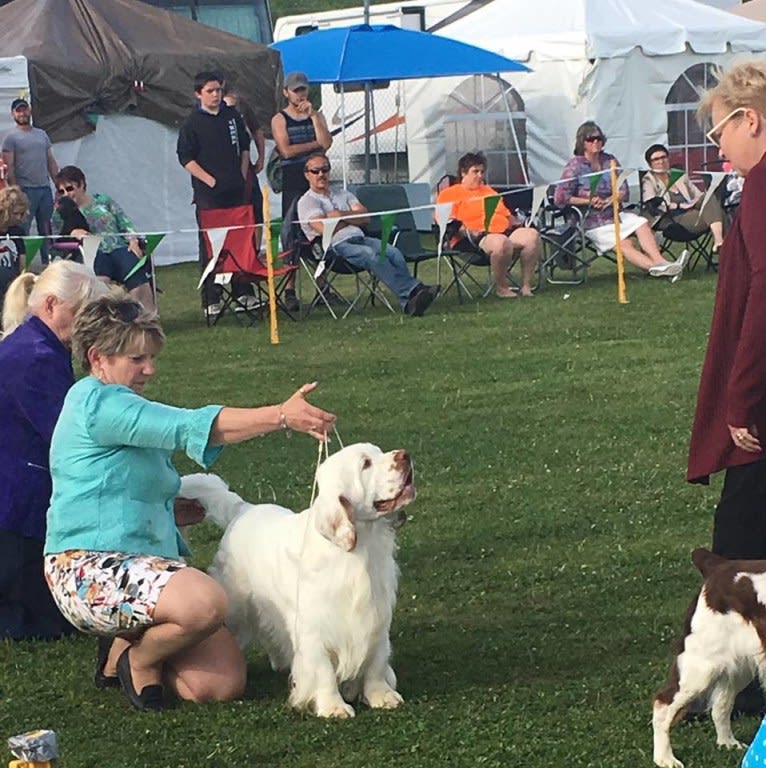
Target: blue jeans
column 364, row 252
column 41, row 210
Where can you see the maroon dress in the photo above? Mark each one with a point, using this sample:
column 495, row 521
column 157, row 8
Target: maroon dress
column 733, row 383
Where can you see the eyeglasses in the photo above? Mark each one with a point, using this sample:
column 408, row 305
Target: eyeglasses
column 67, row 188
column 594, row 138
column 317, row 171
column 126, row 311
column 714, row 134
column 658, row 158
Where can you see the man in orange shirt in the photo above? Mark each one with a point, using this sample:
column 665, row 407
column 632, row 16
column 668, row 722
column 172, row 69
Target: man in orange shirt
column 504, row 236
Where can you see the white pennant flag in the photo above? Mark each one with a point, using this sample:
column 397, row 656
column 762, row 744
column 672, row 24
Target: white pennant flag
column 538, row 195
column 716, row 177
column 216, row 237
column 623, row 176
column 328, row 230
column 90, row 244
column 442, row 215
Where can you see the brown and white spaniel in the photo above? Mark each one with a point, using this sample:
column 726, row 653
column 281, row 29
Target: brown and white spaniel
column 722, row 649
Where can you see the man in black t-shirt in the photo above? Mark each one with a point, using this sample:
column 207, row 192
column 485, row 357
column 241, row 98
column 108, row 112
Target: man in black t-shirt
column 214, row 147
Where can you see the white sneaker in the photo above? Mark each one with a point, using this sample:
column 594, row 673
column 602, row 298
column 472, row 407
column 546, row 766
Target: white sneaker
column 213, row 310
column 683, row 259
column 662, row 270
column 247, row 304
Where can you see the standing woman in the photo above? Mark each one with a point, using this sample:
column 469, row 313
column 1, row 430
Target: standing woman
column 575, row 189
column 112, row 551
column 298, row 130
column 730, row 420
column 35, row 374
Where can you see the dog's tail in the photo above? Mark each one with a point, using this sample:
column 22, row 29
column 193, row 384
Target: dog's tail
column 221, row 505
column 706, row 561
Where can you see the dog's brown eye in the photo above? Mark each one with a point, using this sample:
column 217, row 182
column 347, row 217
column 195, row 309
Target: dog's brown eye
column 367, row 463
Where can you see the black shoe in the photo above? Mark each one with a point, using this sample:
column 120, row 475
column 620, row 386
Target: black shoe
column 421, row 299
column 102, row 680
column 150, row 698
column 333, row 298
column 290, row 300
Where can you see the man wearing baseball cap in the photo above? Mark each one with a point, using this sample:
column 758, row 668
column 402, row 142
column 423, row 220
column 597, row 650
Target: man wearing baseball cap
column 30, row 163
column 298, row 130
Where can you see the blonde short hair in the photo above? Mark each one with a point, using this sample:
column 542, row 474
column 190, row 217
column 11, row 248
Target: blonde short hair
column 14, row 207
column 71, row 283
column 743, row 85
column 115, row 325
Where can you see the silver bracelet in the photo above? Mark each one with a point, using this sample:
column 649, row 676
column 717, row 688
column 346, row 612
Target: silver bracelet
column 283, row 421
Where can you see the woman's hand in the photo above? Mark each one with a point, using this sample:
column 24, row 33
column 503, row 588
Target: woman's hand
column 745, row 438
column 298, row 414
column 135, row 248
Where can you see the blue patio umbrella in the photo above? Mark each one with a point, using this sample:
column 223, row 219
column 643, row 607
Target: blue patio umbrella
column 367, row 53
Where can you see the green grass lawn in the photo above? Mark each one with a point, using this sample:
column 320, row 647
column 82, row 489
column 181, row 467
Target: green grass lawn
column 544, row 569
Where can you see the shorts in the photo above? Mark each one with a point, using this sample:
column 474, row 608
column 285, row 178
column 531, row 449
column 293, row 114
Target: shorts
column 108, row 593
column 118, row 263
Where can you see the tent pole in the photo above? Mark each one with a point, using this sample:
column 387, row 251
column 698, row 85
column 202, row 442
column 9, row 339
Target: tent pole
column 513, row 129
column 343, row 131
column 377, row 149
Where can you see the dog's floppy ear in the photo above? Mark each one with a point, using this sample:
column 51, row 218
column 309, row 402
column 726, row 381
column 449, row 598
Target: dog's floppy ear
column 334, row 519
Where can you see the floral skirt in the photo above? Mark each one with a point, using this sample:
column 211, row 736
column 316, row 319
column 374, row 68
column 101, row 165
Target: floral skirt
column 108, row 593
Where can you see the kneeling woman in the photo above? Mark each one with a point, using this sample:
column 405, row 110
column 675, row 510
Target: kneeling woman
column 113, row 553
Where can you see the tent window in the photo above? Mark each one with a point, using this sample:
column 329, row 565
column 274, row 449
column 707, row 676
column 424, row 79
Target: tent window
column 686, row 140
column 476, row 119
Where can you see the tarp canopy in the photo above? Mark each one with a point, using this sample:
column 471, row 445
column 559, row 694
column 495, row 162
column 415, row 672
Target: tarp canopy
column 368, row 53
column 603, row 29
column 124, row 56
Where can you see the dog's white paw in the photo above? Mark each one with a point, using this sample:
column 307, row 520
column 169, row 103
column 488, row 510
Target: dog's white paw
column 338, row 709
column 668, row 762
column 384, row 698
column 731, row 744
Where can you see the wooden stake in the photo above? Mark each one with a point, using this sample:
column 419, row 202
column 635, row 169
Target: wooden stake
column 273, row 329
column 621, row 293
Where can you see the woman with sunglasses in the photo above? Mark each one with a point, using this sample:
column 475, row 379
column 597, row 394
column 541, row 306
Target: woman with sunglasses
column 679, row 200
column 119, row 250
column 36, row 366
column 112, row 551
column 586, row 182
column 730, row 418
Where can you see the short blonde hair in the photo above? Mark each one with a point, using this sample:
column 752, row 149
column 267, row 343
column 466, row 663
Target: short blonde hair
column 12, row 201
column 115, row 325
column 743, row 85
column 71, row 283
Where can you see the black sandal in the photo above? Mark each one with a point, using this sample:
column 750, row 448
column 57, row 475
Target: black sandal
column 102, row 680
column 150, row 698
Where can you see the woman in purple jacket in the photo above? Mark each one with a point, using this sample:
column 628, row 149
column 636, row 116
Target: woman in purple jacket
column 35, row 374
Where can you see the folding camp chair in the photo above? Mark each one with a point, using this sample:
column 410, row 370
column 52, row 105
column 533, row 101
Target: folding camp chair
column 699, row 243
column 565, row 258
column 404, row 235
column 238, row 262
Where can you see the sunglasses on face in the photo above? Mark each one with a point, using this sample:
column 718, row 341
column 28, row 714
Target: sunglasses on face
column 594, row 138
column 714, row 134
column 317, row 171
column 67, row 188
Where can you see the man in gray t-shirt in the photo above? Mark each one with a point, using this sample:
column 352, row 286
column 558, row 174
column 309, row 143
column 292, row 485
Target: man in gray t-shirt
column 349, row 241
column 27, row 153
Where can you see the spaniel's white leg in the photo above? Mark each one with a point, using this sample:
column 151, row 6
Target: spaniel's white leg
column 314, row 682
column 662, row 720
column 722, row 700
column 379, row 689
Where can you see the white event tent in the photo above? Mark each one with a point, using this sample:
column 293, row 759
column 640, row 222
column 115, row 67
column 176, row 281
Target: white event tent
column 613, row 61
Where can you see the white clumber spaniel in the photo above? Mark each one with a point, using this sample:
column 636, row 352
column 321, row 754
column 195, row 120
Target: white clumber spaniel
column 317, row 589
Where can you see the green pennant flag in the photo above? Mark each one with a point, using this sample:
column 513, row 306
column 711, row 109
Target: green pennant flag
column 151, row 242
column 593, row 181
column 386, row 225
column 674, row 175
column 490, row 206
column 276, row 236
column 31, row 247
